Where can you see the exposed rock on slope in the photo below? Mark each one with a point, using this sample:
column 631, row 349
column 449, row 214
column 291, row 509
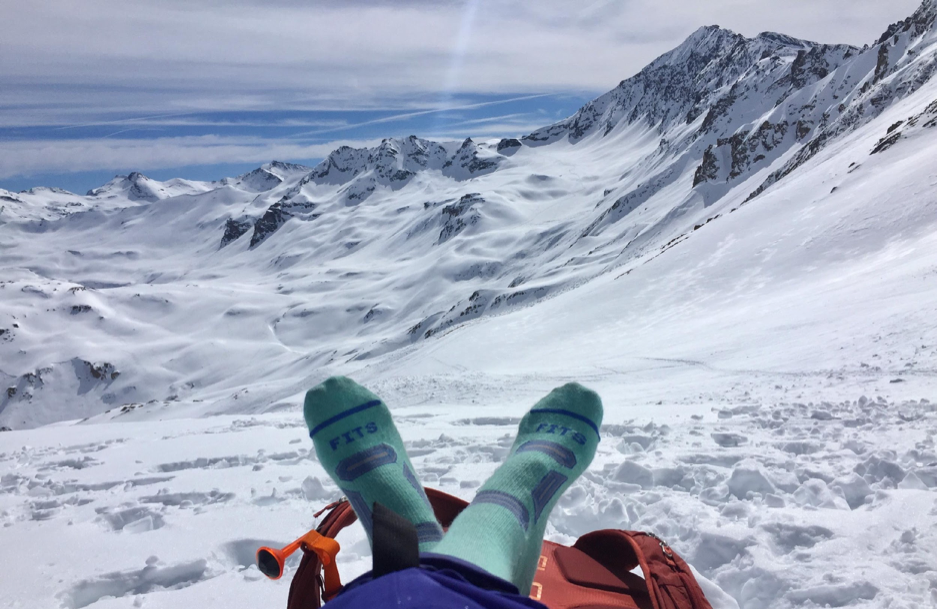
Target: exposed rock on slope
column 277, row 215
column 471, row 161
column 233, row 229
column 395, row 162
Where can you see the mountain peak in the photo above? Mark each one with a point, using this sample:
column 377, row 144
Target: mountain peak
column 709, row 30
column 926, row 14
column 781, row 39
column 704, row 41
column 922, row 21
column 282, row 166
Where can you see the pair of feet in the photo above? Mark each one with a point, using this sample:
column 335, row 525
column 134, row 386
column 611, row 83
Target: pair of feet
column 501, row 531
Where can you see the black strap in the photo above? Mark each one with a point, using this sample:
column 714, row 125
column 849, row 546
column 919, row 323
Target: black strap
column 396, row 545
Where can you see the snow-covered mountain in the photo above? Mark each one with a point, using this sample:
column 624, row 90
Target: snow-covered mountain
column 737, row 247
column 374, row 250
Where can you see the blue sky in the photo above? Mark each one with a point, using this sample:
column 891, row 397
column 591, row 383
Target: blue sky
column 205, row 89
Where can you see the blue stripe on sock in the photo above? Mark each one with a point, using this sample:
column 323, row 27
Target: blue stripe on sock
column 574, row 415
column 545, row 491
column 359, row 464
column 342, row 415
column 506, row 501
column 361, row 508
column 411, row 478
column 557, row 452
column 428, row 532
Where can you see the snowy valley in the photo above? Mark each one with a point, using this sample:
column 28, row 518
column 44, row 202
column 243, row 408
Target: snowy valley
column 736, row 247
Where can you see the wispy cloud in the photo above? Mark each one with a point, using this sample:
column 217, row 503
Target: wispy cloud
column 203, row 55
column 408, row 115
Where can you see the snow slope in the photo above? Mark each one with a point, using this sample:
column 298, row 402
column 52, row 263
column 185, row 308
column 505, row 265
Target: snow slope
column 737, row 248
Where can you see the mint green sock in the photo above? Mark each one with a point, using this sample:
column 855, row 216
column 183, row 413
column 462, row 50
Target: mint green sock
column 501, row 531
column 358, row 445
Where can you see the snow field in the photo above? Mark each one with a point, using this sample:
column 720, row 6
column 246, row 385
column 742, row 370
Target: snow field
column 787, row 505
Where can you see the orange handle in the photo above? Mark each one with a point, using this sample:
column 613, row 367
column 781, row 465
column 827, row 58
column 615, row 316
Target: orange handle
column 324, row 547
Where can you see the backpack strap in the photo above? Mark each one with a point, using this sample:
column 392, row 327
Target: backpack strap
column 307, row 588
column 395, row 541
column 670, row 582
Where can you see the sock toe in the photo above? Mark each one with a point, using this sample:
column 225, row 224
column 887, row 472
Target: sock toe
column 336, row 395
column 570, row 415
column 575, row 398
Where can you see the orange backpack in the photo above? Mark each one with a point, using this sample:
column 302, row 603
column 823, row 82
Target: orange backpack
column 594, row 573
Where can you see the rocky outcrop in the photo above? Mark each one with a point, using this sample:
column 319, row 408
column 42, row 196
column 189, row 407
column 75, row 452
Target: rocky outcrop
column 269, row 223
column 733, row 156
column 905, row 57
column 708, row 171
column 102, row 371
column 918, row 24
column 234, row 229
column 911, row 127
column 708, row 76
column 279, row 213
column 392, row 161
column 509, row 146
column 395, row 163
column 340, row 166
column 25, row 387
column 471, row 161
column 459, row 216
column 392, row 164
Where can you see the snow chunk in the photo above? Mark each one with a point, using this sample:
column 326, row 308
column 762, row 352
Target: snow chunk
column 313, row 490
column 728, row 440
column 630, row 472
column 875, row 469
column 816, row 493
column 714, row 550
column 853, row 488
column 749, row 477
column 928, row 475
column 912, row 482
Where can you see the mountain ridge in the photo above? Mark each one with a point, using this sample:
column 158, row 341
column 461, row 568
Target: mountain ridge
column 378, row 251
column 711, row 50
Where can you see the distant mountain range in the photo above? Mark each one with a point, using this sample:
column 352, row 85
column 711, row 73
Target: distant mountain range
column 231, row 295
